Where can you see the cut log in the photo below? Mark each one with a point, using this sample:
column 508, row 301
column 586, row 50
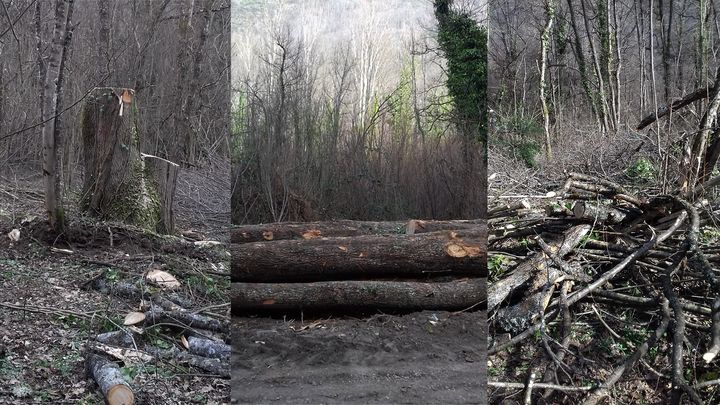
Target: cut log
column 505, row 210
column 185, row 318
column 212, row 365
column 341, row 258
column 313, row 230
column 118, row 184
column 598, row 212
column 415, row 226
column 116, row 338
column 111, row 382
column 355, row 295
column 498, row 291
column 208, row 348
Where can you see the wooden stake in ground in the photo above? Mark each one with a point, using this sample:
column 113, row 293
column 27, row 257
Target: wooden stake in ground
column 354, row 295
column 367, row 256
column 120, row 184
column 112, row 384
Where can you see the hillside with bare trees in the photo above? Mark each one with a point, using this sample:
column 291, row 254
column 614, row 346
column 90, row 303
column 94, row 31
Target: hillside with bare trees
column 343, row 112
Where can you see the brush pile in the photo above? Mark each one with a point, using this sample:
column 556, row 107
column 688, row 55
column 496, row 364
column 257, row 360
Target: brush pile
column 593, row 288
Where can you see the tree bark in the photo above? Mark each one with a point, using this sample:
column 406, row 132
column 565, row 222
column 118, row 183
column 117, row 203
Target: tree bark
column 53, row 199
column 338, row 258
column 356, row 295
column 312, row 230
column 598, row 212
column 544, row 45
column 691, row 171
column 119, row 184
column 500, row 290
column 112, row 384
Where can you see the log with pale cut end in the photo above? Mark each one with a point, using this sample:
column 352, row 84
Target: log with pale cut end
column 110, row 380
column 507, row 209
column 313, row 230
column 598, row 212
column 357, row 295
column 368, row 256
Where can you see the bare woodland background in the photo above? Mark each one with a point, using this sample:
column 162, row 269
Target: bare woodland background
column 174, row 53
column 609, row 64
column 341, row 111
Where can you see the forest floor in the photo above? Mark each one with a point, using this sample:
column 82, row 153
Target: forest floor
column 418, row 358
column 49, row 315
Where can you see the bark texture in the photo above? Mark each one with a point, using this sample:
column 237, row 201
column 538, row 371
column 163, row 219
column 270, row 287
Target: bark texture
column 411, row 256
column 354, row 295
column 120, row 185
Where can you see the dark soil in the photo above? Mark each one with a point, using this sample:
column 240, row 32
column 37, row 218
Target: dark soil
column 419, row 358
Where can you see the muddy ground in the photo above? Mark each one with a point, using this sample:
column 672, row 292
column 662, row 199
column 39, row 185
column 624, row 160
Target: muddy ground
column 48, row 314
column 419, row 358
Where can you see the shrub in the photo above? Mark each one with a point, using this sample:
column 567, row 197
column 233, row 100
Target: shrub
column 642, row 169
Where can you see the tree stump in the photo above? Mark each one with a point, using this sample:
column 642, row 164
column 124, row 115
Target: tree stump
column 119, row 184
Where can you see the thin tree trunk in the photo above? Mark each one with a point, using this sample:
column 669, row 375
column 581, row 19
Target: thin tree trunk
column 53, row 203
column 596, row 64
column 544, row 43
column 103, row 56
column 652, row 74
column 582, row 66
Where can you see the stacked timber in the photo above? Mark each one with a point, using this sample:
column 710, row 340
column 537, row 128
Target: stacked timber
column 350, row 265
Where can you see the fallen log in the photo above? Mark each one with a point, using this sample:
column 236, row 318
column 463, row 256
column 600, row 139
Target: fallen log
column 498, row 291
column 355, row 295
column 185, row 318
column 505, row 209
column 415, row 226
column 216, row 366
column 410, row 256
column 676, row 105
column 313, row 230
column 598, row 212
column 110, row 380
column 208, row 348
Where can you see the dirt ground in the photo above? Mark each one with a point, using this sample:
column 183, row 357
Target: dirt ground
column 47, row 315
column 419, row 358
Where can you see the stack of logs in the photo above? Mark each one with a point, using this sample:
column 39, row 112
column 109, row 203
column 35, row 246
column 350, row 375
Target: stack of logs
column 354, row 265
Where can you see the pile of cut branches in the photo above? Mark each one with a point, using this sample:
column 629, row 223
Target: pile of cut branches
column 595, row 292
